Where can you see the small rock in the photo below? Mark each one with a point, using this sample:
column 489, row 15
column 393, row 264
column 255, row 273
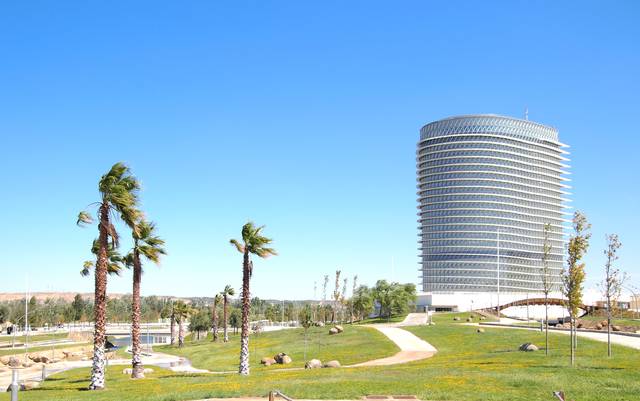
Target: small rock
column 480, row 331
column 313, row 364
column 4, row 360
column 483, row 318
column 333, row 331
column 604, row 323
column 339, row 328
column 457, row 318
column 598, row 326
column 286, row 360
column 267, row 361
column 14, row 362
column 616, row 328
column 147, row 371
column 528, row 347
column 469, row 319
column 127, row 371
column 319, row 324
column 331, row 364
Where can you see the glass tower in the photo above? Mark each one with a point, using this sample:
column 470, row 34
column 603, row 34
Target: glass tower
column 487, row 185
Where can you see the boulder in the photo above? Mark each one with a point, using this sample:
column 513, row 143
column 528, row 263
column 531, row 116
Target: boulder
column 480, row 331
column 339, row 328
column 27, row 364
column 129, row 371
column 313, row 364
column 267, row 361
column 331, row 364
column 282, row 358
column 528, row 347
column 319, row 324
column 4, row 360
column 604, row 323
column 24, row 386
column 598, row 326
column 615, row 328
column 333, row 331
column 456, row 318
column 14, row 362
column 483, row 318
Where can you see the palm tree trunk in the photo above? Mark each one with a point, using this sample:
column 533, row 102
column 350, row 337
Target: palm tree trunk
column 224, row 312
column 180, row 333
column 214, row 320
column 137, row 369
column 246, row 308
column 100, row 305
column 173, row 328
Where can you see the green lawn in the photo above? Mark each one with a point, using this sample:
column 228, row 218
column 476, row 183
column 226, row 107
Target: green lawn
column 376, row 320
column 616, row 321
column 469, row 366
column 33, row 337
column 355, row 344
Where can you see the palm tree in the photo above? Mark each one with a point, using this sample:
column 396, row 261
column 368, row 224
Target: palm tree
column 149, row 246
column 214, row 317
column 252, row 243
column 172, row 320
column 226, row 293
column 182, row 312
column 118, row 196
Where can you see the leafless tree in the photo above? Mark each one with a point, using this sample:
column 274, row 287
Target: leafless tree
column 613, row 282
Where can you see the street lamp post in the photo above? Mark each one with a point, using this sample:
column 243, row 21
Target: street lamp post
column 498, row 271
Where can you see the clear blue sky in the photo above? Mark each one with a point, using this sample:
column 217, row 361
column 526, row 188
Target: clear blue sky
column 300, row 116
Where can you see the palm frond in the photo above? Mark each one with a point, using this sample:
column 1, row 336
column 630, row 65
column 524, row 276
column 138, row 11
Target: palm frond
column 86, row 268
column 238, row 245
column 84, row 218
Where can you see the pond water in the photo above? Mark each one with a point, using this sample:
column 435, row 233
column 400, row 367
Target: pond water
column 125, row 341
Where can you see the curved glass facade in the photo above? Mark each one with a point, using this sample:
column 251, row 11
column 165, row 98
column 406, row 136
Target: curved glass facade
column 487, row 185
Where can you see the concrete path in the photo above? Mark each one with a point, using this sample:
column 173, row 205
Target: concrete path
column 627, row 341
column 412, row 347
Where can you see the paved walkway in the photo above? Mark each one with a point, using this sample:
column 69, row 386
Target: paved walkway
column 627, row 341
column 412, row 348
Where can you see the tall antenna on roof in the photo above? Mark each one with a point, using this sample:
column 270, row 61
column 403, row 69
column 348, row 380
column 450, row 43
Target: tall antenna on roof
column 526, row 113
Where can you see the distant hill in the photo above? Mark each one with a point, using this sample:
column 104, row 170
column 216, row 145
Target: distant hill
column 67, row 296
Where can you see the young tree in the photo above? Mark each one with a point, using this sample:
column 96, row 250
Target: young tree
column 253, row 243
column 362, row 302
column 118, row 194
column 235, row 319
column 214, row 317
column 146, row 244
column 573, row 276
column 336, row 296
column 226, row 293
column 546, row 281
column 325, row 284
column 200, row 321
column 353, row 293
column 305, row 317
column 613, row 281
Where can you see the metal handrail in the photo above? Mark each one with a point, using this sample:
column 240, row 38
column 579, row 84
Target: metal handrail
column 274, row 393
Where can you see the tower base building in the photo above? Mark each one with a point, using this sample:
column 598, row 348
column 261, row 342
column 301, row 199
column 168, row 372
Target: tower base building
column 492, row 191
